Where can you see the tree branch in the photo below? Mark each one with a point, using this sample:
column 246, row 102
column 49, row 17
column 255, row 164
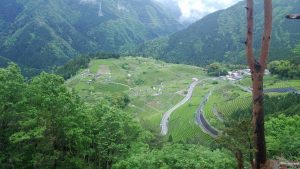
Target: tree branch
column 250, row 28
column 266, row 35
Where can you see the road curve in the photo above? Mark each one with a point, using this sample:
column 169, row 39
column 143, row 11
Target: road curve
column 269, row 90
column 166, row 116
column 202, row 122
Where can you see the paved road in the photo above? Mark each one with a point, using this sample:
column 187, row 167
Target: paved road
column 270, row 90
column 281, row 90
column 202, row 122
column 166, row 116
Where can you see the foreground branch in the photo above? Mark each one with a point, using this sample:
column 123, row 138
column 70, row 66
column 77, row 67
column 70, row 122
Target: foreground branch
column 266, row 35
column 249, row 41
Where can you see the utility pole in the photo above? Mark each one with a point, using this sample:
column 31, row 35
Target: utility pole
column 257, row 68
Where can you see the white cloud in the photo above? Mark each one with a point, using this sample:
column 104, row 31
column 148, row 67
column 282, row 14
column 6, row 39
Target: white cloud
column 192, row 10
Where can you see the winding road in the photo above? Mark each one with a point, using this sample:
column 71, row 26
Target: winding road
column 200, row 119
column 166, row 116
column 202, row 122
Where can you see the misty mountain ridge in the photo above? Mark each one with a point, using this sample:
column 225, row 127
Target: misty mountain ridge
column 220, row 36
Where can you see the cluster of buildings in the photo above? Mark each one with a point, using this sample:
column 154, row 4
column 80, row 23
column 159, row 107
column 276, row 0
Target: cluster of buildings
column 239, row 74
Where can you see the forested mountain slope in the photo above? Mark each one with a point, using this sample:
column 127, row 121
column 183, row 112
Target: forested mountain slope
column 220, row 36
column 42, row 33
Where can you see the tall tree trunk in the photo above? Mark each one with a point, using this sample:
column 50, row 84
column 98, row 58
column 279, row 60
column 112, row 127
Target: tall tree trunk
column 240, row 159
column 257, row 73
column 258, row 120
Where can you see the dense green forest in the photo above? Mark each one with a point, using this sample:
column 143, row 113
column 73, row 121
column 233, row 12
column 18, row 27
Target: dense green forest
column 41, row 33
column 221, row 36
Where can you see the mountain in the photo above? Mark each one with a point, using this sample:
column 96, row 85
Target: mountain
column 220, row 36
column 43, row 33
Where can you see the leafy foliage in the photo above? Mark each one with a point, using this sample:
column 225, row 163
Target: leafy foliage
column 119, row 100
column 285, row 69
column 283, row 136
column 216, row 69
column 178, row 156
column 282, row 104
column 236, row 136
column 43, row 125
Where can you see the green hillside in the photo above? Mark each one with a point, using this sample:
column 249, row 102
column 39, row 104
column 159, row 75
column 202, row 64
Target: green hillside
column 220, row 36
column 153, row 87
column 42, row 33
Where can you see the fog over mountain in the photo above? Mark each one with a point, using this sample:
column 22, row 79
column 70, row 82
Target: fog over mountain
column 192, row 10
column 188, row 11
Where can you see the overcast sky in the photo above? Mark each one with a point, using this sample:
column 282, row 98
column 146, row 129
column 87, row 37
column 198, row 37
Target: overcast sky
column 192, row 10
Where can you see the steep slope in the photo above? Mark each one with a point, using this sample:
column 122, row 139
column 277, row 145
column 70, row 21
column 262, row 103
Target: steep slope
column 220, row 36
column 42, row 33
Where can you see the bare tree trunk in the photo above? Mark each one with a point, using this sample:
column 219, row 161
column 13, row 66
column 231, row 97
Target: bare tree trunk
column 258, row 120
column 257, row 73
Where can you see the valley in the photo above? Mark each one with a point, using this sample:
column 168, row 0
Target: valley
column 176, row 100
column 152, row 86
column 134, row 84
